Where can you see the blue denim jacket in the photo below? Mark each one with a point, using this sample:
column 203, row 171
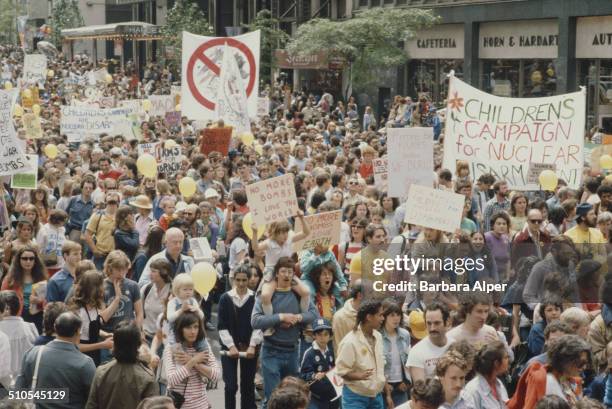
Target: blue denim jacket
column 403, row 345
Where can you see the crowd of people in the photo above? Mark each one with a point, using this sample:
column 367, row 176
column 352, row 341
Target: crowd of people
column 97, row 297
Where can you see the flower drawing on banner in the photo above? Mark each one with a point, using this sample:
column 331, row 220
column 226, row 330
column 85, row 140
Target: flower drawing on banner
column 456, row 102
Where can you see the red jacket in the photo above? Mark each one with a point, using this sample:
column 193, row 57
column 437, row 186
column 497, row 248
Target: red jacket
column 523, row 245
column 532, row 387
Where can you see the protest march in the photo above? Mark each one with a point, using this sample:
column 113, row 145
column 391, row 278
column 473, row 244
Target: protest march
column 192, row 237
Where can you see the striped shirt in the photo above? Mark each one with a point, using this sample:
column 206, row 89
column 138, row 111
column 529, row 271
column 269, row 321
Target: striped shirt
column 189, row 382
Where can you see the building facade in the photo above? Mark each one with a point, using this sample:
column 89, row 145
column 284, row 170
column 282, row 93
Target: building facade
column 518, row 48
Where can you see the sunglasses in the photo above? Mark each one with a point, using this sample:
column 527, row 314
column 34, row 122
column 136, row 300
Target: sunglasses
column 353, row 183
column 535, row 221
column 28, row 258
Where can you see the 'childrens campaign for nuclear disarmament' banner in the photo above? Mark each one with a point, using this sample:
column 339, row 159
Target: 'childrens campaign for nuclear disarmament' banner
column 504, row 136
column 78, row 121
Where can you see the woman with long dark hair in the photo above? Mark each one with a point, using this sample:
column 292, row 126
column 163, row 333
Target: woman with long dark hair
column 88, row 303
column 26, row 271
column 40, row 198
column 152, row 246
column 486, row 391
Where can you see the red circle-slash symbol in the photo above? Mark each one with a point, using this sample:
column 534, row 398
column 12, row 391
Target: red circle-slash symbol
column 199, row 54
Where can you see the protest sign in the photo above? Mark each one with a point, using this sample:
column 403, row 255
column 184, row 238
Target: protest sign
column 201, row 249
column 263, row 106
column 503, row 136
column 134, row 104
column 434, row 208
column 77, row 121
column 12, row 153
column 160, row 104
column 324, row 230
column 272, row 200
column 381, row 173
column 35, row 68
column 202, row 67
column 106, row 102
column 29, row 179
column 410, row 156
column 99, row 75
column 30, row 98
column 231, row 103
column 173, row 118
column 168, row 160
column 148, row 148
column 31, row 125
column 216, row 140
column 536, row 168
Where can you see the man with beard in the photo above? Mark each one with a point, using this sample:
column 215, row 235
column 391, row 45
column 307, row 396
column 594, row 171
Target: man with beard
column 589, row 240
column 498, row 204
column 605, row 196
column 424, row 356
column 561, row 259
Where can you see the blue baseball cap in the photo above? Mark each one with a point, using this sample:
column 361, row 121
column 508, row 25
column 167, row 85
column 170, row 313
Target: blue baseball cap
column 320, row 325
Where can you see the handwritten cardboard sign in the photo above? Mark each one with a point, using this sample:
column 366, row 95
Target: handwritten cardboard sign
column 35, row 68
column 77, row 121
column 29, row 179
column 31, row 125
column 173, row 118
column 324, row 230
column 272, row 200
column 381, row 173
column 160, row 104
column 12, row 150
column 434, row 208
column 536, row 168
column 168, row 160
column 410, row 159
column 216, row 140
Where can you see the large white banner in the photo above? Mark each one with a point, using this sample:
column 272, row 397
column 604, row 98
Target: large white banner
column 410, row 159
column 12, row 151
column 201, row 69
column 504, row 136
column 35, row 68
column 79, row 121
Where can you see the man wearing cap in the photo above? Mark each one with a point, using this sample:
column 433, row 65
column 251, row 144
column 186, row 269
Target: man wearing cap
column 425, row 354
column 589, row 240
column 144, row 219
column 212, row 196
column 317, row 361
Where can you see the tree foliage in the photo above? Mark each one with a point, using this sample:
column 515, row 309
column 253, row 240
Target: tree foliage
column 271, row 38
column 185, row 15
column 371, row 40
column 65, row 14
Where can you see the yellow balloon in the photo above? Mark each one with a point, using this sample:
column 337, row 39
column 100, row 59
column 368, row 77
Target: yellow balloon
column 548, row 180
column 50, row 73
column 187, row 186
column 27, row 93
column 609, row 177
column 605, row 161
column 8, row 85
column 36, row 109
column 177, row 108
column 51, row 151
column 247, row 138
column 147, row 165
column 146, row 105
column 18, row 110
column 204, row 277
column 170, row 143
column 247, row 221
column 108, row 78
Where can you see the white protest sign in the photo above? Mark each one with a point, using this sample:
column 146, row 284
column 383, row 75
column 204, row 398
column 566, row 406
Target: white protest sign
column 533, row 175
column 201, row 71
column 160, row 104
column 148, row 148
column 168, row 160
column 31, row 125
column 410, row 156
column 263, row 106
column 35, row 68
column 77, row 121
column 201, row 249
column 134, row 104
column 12, row 154
column 231, row 103
column 381, row 173
column 503, row 136
column 434, row 208
column 27, row 180
column 100, row 75
column 324, row 230
column 272, row 200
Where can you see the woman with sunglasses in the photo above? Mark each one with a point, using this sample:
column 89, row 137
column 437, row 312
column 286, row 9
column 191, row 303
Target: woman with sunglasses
column 26, row 271
column 348, row 249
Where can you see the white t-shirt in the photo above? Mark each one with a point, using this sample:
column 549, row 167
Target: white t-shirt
column 425, row 355
column 93, row 314
column 478, row 340
column 238, row 245
column 553, row 387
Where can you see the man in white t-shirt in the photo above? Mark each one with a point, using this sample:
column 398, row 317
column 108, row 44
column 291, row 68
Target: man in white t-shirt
column 425, row 354
column 474, row 329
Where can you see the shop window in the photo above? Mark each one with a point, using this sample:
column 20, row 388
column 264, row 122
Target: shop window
column 429, row 77
column 501, row 77
column 596, row 75
column 540, row 78
column 374, row 3
column 363, row 3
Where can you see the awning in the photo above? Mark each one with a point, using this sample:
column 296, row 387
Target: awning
column 132, row 30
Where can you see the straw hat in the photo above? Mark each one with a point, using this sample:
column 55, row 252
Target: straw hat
column 142, row 202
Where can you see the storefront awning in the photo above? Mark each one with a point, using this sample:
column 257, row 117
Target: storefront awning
column 133, row 30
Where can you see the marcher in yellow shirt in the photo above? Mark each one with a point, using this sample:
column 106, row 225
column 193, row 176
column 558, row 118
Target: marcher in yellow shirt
column 589, row 240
